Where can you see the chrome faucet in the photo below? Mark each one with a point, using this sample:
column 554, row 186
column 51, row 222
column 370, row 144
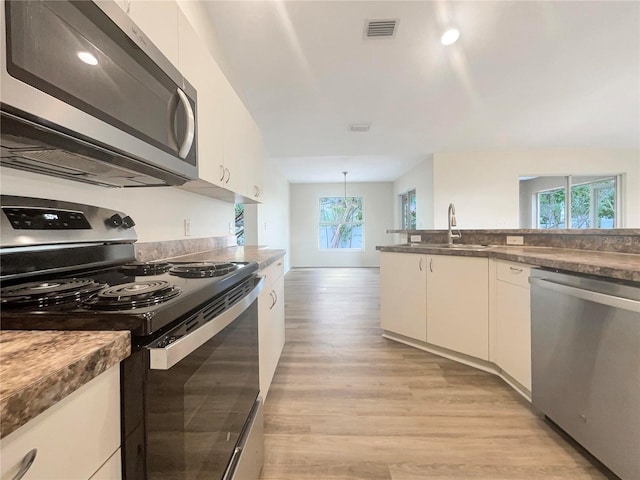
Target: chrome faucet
column 452, row 223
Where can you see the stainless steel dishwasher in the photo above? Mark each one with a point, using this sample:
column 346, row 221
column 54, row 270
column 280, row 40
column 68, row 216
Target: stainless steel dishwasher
column 585, row 353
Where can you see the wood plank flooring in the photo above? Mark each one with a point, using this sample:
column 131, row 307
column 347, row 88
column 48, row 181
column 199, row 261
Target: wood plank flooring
column 346, row 403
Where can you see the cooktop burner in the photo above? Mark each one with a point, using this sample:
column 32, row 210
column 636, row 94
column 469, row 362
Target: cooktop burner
column 146, row 268
column 128, row 296
column 202, row 269
column 52, row 292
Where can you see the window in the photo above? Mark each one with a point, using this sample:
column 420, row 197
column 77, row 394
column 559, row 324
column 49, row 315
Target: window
column 551, row 208
column 239, row 209
column 408, row 214
column 341, row 223
column 591, row 204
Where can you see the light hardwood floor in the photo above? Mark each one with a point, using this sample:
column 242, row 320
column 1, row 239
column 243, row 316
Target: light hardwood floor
column 346, row 403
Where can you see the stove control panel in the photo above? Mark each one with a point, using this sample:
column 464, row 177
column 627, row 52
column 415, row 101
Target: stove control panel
column 45, row 219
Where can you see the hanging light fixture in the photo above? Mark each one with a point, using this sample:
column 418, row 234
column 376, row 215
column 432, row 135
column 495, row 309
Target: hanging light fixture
column 345, row 188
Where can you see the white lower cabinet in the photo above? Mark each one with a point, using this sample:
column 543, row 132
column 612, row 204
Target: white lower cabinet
column 403, row 294
column 512, row 321
column 458, row 304
column 75, row 439
column 271, row 327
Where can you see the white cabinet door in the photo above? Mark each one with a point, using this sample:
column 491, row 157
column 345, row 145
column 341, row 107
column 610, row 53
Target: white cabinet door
column 403, row 294
column 73, row 438
column 235, row 140
column 458, row 304
column 255, row 161
column 277, row 324
column 158, row 19
column 513, row 322
column 271, row 326
column 201, row 70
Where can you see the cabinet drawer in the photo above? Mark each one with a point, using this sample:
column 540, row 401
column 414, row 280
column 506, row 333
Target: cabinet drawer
column 272, row 273
column 73, row 438
column 515, row 273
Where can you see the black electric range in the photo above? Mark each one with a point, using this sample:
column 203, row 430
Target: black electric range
column 145, row 298
column 194, row 327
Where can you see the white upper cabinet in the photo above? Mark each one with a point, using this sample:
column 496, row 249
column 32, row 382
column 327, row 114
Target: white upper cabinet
column 230, row 149
column 201, row 70
column 255, row 160
column 235, row 141
column 158, row 20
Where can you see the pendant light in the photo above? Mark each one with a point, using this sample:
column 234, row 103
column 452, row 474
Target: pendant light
column 345, row 188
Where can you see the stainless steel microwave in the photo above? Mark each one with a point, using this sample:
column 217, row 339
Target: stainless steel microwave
column 84, row 95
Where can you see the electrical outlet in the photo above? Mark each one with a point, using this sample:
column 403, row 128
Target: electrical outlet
column 515, row 240
column 231, row 228
column 416, row 238
column 187, row 227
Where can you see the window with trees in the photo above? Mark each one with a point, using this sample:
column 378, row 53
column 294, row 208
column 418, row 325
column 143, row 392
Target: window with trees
column 239, row 210
column 589, row 204
column 341, row 223
column 408, row 214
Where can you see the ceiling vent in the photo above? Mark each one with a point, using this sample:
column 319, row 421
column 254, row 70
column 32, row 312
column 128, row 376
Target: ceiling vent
column 380, row 28
column 359, row 127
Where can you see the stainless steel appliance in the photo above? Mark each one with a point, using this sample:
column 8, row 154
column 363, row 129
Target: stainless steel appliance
column 87, row 97
column 190, row 390
column 585, row 352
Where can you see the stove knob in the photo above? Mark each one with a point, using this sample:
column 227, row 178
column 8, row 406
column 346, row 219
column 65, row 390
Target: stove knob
column 127, row 222
column 114, row 221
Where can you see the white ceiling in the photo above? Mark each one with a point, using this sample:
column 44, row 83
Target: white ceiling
column 524, row 74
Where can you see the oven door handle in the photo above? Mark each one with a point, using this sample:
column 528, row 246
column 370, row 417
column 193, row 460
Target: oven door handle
column 167, row 357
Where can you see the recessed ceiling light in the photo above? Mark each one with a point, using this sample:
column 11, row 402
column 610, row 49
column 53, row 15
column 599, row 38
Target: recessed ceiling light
column 88, row 58
column 450, row 36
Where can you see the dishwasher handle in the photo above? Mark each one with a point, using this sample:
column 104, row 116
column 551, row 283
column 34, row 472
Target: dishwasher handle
column 163, row 358
column 589, row 295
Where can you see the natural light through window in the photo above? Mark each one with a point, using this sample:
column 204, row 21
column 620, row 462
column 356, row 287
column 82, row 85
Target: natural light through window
column 408, row 202
column 588, row 202
column 341, row 223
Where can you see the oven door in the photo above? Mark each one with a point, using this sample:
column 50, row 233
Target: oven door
column 201, row 397
column 86, row 71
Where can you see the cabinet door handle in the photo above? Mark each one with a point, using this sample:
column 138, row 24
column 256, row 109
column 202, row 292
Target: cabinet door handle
column 420, row 264
column 222, row 173
column 431, row 265
column 228, row 175
column 27, row 461
column 273, row 296
column 516, row 270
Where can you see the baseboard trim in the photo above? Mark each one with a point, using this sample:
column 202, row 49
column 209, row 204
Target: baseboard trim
column 477, row 363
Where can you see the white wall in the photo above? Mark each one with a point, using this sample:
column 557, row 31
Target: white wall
column 268, row 223
column 485, row 188
column 159, row 212
column 305, row 212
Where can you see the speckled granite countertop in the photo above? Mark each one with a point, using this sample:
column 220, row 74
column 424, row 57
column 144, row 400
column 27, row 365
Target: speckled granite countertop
column 40, row 368
column 264, row 256
column 623, row 266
